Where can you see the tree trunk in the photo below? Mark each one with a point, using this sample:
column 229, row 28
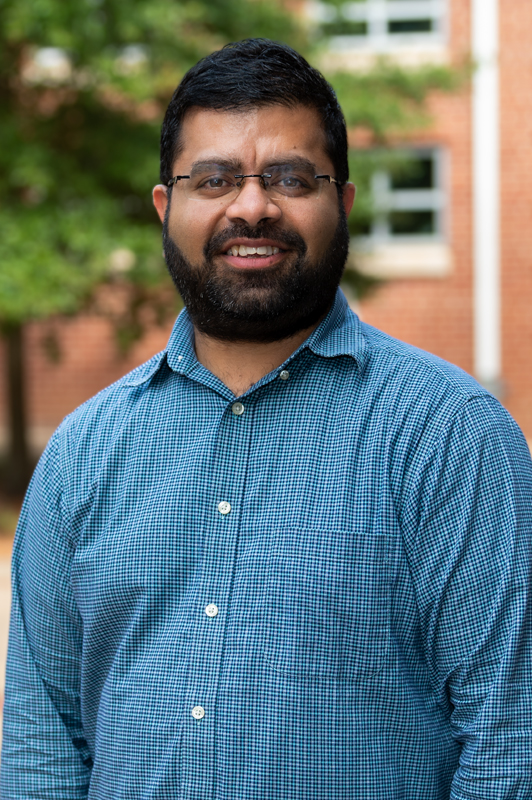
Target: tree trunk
column 17, row 467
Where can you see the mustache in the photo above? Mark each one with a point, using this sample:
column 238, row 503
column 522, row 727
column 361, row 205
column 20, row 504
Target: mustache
column 289, row 239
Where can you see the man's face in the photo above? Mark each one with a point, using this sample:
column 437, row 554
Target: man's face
column 266, row 296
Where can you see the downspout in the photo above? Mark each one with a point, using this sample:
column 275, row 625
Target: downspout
column 486, row 195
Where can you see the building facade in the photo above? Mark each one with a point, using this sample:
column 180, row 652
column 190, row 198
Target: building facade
column 452, row 245
column 476, row 311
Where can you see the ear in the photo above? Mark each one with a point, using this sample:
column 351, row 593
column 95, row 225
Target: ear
column 160, row 199
column 349, row 191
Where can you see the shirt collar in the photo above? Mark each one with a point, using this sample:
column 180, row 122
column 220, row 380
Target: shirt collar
column 339, row 334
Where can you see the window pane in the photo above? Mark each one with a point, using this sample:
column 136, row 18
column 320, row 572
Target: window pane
column 413, row 223
column 345, row 27
column 417, row 174
column 410, row 26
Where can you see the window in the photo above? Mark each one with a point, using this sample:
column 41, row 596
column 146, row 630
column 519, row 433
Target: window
column 381, row 25
column 407, row 235
column 410, row 201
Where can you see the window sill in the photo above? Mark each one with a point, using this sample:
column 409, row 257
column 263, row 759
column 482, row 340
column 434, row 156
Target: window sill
column 403, row 260
column 344, row 55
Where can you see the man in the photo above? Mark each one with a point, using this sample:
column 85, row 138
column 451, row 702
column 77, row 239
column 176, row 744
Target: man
column 289, row 557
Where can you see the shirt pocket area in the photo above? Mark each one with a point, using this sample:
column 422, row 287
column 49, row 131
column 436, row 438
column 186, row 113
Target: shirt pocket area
column 328, row 597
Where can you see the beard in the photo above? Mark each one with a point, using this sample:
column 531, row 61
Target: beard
column 259, row 305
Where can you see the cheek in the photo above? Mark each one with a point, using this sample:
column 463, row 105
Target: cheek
column 318, row 228
column 189, row 230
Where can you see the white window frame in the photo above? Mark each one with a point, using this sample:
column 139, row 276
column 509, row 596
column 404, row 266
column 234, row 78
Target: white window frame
column 386, row 200
column 378, row 14
column 387, row 256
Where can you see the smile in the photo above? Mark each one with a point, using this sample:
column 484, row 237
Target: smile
column 245, row 252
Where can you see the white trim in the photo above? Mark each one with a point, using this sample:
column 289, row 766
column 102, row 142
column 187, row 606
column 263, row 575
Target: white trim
column 486, row 193
column 408, row 260
column 378, row 15
column 345, row 58
column 386, row 200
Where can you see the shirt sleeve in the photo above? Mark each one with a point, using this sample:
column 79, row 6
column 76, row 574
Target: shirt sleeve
column 44, row 752
column 469, row 522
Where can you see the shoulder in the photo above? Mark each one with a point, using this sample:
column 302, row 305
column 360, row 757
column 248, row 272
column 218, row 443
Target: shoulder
column 86, row 434
column 114, row 400
column 392, row 360
column 442, row 433
column 415, row 383
column 421, row 400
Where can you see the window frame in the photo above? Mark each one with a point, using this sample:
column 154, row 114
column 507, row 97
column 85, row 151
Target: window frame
column 386, row 200
column 378, row 14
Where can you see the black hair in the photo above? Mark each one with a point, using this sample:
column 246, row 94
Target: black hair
column 251, row 74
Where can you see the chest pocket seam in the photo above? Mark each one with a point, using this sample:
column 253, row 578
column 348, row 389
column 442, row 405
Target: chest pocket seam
column 328, row 604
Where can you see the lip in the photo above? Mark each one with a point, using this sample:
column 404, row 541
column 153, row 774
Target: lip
column 247, row 262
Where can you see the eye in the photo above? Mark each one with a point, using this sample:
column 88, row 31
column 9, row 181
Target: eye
column 213, row 182
column 290, row 182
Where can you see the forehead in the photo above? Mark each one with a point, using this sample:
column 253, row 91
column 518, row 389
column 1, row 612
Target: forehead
column 252, row 136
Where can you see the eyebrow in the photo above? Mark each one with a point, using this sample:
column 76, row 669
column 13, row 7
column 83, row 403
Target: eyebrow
column 201, row 166
column 296, row 162
column 235, row 167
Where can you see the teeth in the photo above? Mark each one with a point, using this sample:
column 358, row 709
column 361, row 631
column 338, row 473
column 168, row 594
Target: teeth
column 243, row 251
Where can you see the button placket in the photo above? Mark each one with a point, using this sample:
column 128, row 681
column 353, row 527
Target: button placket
column 231, row 447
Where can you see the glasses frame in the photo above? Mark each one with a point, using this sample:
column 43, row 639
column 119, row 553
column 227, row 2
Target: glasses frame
column 262, row 177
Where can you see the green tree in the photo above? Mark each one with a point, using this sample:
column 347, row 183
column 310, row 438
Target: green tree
column 83, row 88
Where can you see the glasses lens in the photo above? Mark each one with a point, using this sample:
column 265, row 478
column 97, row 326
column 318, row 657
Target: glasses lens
column 210, row 184
column 287, row 183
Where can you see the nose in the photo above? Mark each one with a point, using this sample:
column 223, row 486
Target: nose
column 253, row 204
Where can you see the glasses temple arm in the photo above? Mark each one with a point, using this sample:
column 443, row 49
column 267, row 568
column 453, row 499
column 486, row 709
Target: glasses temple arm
column 329, row 178
column 177, row 178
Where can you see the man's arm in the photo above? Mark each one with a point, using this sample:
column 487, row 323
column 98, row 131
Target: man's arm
column 44, row 752
column 468, row 520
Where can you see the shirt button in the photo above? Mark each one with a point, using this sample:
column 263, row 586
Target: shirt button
column 224, row 507
column 237, row 409
column 211, row 610
column 284, row 375
column 198, row 712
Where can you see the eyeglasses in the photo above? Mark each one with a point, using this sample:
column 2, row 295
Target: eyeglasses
column 281, row 183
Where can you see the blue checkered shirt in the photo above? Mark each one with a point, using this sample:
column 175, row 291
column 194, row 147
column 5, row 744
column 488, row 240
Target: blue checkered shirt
column 320, row 592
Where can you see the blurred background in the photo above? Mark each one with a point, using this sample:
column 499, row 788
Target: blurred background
column 437, row 98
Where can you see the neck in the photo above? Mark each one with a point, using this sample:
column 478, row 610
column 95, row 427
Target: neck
column 241, row 364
